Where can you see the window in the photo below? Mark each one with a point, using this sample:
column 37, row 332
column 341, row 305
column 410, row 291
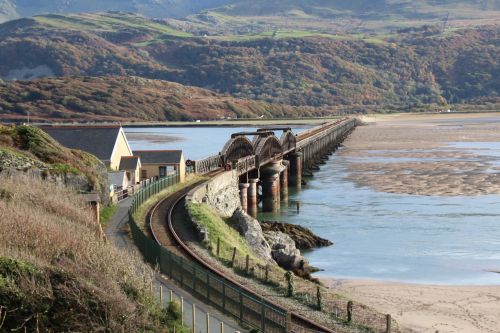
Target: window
column 162, row 171
column 144, row 174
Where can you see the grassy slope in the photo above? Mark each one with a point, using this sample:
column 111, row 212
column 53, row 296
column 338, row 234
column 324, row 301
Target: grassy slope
column 56, row 274
column 29, row 145
column 219, row 229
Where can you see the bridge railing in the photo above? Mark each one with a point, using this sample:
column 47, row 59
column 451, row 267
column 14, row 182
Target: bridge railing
column 208, row 164
column 304, row 140
column 245, row 164
column 200, row 282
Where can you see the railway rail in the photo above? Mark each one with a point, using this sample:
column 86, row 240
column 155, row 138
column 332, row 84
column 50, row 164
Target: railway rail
column 164, row 233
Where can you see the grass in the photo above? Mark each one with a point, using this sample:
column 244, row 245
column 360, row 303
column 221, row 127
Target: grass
column 107, row 22
column 219, row 229
column 106, row 214
column 57, row 274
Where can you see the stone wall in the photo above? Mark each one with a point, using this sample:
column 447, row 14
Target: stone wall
column 221, row 193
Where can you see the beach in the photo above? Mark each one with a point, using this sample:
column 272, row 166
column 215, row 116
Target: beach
column 428, row 308
column 427, row 155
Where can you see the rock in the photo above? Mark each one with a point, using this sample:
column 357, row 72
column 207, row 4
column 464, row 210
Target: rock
column 304, row 239
column 221, row 193
column 250, row 228
column 283, row 250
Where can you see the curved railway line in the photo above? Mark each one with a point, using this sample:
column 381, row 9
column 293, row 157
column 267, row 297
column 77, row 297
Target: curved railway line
column 164, row 233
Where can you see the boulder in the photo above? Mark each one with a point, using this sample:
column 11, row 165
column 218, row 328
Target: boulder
column 304, row 238
column 283, row 250
column 251, row 230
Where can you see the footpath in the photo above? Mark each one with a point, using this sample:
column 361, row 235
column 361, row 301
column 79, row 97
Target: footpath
column 116, row 232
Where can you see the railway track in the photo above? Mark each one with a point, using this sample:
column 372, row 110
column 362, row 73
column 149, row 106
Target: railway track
column 164, row 233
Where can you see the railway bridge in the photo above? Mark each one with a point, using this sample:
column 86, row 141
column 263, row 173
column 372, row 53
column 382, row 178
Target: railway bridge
column 274, row 162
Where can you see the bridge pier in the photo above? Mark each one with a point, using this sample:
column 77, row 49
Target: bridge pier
column 296, row 169
column 284, row 181
column 270, row 187
column 244, row 195
column 252, row 199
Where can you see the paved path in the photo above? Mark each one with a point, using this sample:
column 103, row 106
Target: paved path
column 116, row 232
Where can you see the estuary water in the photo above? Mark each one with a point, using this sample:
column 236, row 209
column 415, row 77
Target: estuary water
column 376, row 235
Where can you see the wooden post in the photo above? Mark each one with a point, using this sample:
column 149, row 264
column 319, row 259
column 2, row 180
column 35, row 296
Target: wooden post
column 218, row 247
column 208, row 322
column 182, row 310
column 151, row 287
column 221, row 327
column 194, row 318
column 171, row 296
column 161, row 295
column 349, row 311
column 388, row 320
column 234, row 256
column 247, row 264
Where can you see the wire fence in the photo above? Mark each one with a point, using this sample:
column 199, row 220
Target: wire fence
column 212, row 289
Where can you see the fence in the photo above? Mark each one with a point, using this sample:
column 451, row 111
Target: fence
column 305, row 291
column 212, row 289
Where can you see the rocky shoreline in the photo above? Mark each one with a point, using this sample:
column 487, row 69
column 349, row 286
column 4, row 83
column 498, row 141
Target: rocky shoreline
column 304, row 238
column 286, row 241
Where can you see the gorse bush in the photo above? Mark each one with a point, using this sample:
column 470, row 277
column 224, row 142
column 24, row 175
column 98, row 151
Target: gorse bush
column 57, row 275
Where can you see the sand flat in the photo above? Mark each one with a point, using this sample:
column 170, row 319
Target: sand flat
column 415, row 154
column 429, row 308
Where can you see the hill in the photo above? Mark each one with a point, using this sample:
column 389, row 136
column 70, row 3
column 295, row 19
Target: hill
column 339, row 16
column 415, row 67
column 29, row 149
column 157, row 8
column 58, row 275
column 127, row 99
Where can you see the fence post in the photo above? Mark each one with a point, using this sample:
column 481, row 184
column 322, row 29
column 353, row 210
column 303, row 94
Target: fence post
column 171, row 296
column 208, row 288
column 319, row 299
column 241, row 306
column 223, row 296
column 208, row 322
column 234, row 256
column 388, row 320
column 218, row 247
column 194, row 318
column 182, row 270
column 161, row 295
column 349, row 311
column 194, row 277
column 182, row 310
column 267, row 274
column 289, row 280
column 263, row 315
column 221, row 327
column 247, row 264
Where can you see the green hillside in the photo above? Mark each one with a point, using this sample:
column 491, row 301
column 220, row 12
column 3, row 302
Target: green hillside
column 423, row 67
column 339, row 16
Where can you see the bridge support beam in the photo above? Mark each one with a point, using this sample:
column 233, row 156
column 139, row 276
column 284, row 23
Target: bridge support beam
column 270, row 187
column 284, row 181
column 244, row 195
column 252, row 199
column 296, row 169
